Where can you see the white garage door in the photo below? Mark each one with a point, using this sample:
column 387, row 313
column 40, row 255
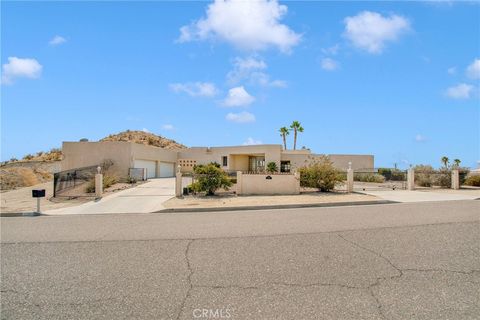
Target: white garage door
column 150, row 166
column 166, row 169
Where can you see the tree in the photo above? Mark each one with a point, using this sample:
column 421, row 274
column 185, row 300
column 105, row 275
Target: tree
column 284, row 132
column 457, row 162
column 445, row 161
column 296, row 127
column 272, row 167
column 209, row 178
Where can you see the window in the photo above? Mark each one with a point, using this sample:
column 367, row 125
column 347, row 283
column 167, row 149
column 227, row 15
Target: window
column 225, row 161
column 285, row 166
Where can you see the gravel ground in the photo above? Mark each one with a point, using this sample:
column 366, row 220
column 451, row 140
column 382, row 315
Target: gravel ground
column 240, row 201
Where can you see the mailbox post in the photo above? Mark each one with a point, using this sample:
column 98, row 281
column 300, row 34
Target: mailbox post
column 38, row 193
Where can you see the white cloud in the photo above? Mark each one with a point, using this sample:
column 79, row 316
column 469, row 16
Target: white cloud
column 473, row 70
column 420, row 138
column 370, row 31
column 252, row 70
column 20, row 68
column 251, row 142
column 241, row 117
column 55, row 41
column 195, row 89
column 238, row 97
column 452, row 70
column 329, row 64
column 460, row 91
column 168, row 127
column 333, row 50
column 250, row 25
column 145, row 130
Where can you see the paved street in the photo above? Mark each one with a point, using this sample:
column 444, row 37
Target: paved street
column 396, row 261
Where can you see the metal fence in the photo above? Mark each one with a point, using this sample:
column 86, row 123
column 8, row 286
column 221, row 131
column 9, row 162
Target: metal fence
column 380, row 179
column 73, row 183
column 137, row 174
column 433, row 178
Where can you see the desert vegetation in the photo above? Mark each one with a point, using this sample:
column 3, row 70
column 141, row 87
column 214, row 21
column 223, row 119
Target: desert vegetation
column 320, row 174
column 209, row 178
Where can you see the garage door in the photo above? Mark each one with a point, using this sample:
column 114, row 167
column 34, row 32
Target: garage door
column 150, row 166
column 166, row 169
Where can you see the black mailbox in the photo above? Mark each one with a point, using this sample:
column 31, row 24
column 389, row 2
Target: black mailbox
column 38, row 193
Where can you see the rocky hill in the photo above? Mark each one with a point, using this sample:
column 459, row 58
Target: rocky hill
column 146, row 138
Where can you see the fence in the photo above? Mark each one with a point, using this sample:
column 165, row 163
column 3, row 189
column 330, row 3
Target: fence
column 73, row 183
column 380, row 179
column 137, row 174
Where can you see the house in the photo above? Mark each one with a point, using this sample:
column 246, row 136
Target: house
column 159, row 162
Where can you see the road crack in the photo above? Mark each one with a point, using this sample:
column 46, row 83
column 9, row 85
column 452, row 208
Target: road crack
column 189, row 279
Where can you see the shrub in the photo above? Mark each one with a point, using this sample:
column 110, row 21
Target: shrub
column 108, row 181
column 28, row 157
column 392, row 174
column 443, row 178
column 320, row 174
column 473, row 181
column 131, row 180
column 369, row 177
column 210, row 177
column 423, row 175
column 272, row 167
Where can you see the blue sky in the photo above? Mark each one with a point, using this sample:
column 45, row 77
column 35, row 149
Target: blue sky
column 399, row 80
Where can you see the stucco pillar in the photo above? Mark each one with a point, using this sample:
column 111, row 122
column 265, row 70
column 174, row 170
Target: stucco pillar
column 297, row 181
column 349, row 180
column 411, row 179
column 178, row 182
column 455, row 179
column 98, row 185
column 239, row 183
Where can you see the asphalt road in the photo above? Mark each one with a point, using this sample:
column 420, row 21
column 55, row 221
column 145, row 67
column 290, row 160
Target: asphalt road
column 397, row 261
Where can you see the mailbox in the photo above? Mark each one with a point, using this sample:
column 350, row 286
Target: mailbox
column 38, row 193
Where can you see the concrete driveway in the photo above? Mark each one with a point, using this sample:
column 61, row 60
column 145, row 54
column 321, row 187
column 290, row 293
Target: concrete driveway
column 148, row 197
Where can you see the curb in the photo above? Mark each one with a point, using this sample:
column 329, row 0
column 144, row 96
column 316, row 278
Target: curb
column 286, row 206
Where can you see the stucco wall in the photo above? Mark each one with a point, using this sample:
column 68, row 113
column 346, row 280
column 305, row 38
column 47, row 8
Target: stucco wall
column 123, row 154
column 85, row 154
column 259, row 184
column 359, row 161
column 205, row 155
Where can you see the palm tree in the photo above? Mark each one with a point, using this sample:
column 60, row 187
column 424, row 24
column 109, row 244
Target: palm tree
column 284, row 132
column 445, row 161
column 296, row 127
column 457, row 162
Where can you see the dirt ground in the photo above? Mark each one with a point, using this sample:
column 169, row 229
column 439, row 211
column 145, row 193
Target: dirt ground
column 240, row 201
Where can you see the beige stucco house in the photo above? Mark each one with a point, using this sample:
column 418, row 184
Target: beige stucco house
column 160, row 162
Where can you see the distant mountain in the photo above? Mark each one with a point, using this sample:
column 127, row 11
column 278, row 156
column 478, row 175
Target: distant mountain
column 145, row 138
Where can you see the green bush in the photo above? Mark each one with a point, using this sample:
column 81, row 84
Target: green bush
column 320, row 174
column 209, row 178
column 272, row 167
column 473, row 181
column 369, row 177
